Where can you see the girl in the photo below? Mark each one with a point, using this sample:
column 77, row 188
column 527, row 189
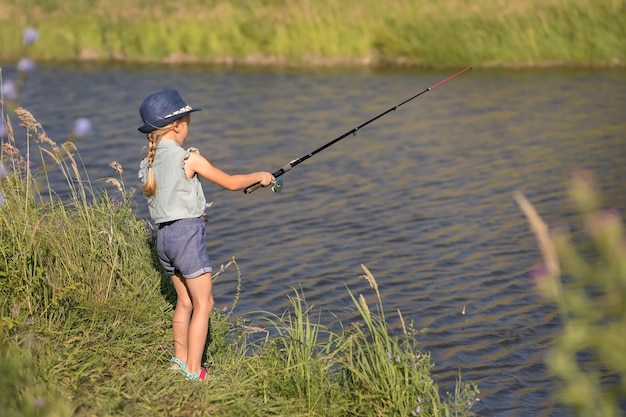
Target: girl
column 176, row 202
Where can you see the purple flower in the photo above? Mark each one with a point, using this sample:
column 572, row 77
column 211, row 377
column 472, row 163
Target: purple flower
column 30, row 36
column 539, row 273
column 82, row 127
column 9, row 90
column 26, row 65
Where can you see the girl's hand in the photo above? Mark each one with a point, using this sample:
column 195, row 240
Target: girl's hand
column 266, row 178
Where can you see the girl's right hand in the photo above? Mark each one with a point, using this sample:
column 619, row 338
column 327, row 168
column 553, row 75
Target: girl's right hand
column 266, row 178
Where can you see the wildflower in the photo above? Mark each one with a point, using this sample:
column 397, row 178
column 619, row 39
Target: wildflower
column 8, row 90
column 26, row 65
column 39, row 402
column 29, row 36
column 82, row 127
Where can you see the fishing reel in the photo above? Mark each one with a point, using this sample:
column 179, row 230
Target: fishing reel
column 277, row 185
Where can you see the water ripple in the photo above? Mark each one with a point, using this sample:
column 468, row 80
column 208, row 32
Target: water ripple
column 423, row 197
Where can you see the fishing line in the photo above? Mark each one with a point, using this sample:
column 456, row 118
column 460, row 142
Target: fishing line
column 278, row 184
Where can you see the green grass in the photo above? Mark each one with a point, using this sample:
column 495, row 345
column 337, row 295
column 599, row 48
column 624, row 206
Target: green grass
column 85, row 319
column 323, row 32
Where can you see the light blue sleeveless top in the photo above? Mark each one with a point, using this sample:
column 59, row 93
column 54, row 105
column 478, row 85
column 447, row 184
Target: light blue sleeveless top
column 177, row 197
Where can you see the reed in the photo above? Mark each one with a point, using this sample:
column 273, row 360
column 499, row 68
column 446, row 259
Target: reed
column 85, row 318
column 324, row 32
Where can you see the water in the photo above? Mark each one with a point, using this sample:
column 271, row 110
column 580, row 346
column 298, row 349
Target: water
column 422, row 197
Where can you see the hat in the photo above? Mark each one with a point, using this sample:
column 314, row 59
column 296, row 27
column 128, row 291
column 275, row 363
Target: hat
column 162, row 108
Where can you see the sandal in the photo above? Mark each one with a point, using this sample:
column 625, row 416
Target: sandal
column 200, row 376
column 176, row 364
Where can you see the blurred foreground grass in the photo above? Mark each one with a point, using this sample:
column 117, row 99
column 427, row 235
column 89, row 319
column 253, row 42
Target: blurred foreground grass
column 584, row 274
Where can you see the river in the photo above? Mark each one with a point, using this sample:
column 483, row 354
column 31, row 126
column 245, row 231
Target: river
column 422, row 196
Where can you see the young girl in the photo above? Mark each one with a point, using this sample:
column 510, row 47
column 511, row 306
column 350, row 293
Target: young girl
column 176, row 203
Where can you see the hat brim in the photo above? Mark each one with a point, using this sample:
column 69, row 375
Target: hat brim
column 147, row 127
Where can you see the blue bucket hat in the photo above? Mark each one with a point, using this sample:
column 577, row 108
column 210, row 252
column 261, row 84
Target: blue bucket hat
column 162, row 108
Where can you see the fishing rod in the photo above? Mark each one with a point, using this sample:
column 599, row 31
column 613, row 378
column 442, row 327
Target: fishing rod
column 278, row 184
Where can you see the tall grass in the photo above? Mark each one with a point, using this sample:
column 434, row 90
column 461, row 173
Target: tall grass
column 43, row 236
column 85, row 319
column 324, row 32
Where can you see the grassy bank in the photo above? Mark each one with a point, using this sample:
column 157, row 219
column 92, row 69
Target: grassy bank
column 85, row 316
column 323, row 32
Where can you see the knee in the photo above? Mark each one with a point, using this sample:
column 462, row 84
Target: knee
column 204, row 305
column 183, row 303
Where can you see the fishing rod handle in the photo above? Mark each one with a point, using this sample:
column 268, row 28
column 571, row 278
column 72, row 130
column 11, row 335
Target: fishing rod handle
column 252, row 188
column 276, row 174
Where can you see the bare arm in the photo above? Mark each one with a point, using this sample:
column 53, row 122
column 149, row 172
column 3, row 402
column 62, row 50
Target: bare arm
column 197, row 164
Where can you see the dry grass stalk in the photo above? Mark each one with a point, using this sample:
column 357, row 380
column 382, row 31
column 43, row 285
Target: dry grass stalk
column 27, row 119
column 542, row 233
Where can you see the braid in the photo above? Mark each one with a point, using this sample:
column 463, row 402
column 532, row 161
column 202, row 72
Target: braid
column 149, row 187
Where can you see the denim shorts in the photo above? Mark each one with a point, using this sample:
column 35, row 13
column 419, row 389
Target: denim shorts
column 181, row 246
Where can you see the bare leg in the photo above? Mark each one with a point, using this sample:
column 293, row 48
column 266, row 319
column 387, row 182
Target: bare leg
column 201, row 292
column 182, row 318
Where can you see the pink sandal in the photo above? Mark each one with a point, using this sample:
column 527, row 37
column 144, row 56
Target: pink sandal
column 200, row 376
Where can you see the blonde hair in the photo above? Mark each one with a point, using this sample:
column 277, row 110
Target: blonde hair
column 150, row 186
